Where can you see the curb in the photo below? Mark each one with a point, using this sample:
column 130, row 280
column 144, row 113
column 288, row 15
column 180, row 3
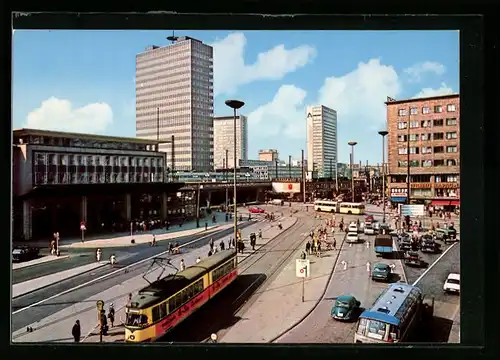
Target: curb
column 396, row 246
column 317, row 302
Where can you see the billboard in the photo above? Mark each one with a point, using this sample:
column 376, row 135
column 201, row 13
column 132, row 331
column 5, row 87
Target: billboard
column 286, row 187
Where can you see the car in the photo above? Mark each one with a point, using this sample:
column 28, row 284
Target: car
column 429, row 245
column 353, row 227
column 412, row 258
column 352, row 237
column 452, row 283
column 405, row 244
column 376, row 225
column 345, row 308
column 381, row 272
column 24, row 253
column 369, row 230
column 256, row 210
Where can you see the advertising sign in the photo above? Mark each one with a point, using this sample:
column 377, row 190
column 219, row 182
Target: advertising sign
column 412, row 210
column 286, row 187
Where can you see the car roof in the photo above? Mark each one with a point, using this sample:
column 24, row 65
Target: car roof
column 344, row 298
column 454, row 276
column 381, row 265
column 412, row 253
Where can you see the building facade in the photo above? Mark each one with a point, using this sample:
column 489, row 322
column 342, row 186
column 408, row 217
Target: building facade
column 268, row 155
column 174, row 96
column 429, row 129
column 224, row 141
column 322, row 140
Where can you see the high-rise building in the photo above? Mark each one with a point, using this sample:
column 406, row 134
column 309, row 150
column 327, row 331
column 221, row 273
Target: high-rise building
column 268, row 155
column 174, row 96
column 430, row 128
column 224, row 140
column 322, row 140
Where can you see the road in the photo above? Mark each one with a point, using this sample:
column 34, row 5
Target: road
column 256, row 270
column 36, row 313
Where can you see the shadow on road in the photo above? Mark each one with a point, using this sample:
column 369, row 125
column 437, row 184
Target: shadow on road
column 435, row 330
column 394, row 278
column 219, row 313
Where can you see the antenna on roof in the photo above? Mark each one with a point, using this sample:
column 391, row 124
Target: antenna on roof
column 173, row 38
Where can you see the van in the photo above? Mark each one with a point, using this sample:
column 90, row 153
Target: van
column 278, row 202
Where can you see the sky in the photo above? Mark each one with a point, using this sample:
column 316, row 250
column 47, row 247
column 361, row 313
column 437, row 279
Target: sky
column 84, row 81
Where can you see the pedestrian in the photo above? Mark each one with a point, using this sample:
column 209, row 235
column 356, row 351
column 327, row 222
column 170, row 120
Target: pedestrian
column 154, row 240
column 76, row 332
column 206, row 226
column 318, row 253
column 233, row 244
column 367, row 244
column 198, row 260
column 308, row 247
column 222, row 246
column 334, row 244
column 211, row 244
column 111, row 314
column 129, row 298
column 368, row 267
column 182, row 265
column 210, row 252
column 344, row 263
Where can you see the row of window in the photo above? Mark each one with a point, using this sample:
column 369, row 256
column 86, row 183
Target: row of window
column 427, row 110
column 223, row 270
column 424, row 179
column 428, row 163
column 429, row 136
column 44, row 178
column 76, row 142
column 427, row 123
column 42, row 158
column 428, row 150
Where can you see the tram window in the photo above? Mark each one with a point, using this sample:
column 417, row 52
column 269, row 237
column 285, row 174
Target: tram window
column 198, row 287
column 163, row 310
column 178, row 300
column 156, row 313
column 171, row 305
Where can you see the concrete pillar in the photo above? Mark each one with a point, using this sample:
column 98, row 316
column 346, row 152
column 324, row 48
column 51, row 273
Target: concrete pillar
column 128, row 207
column 83, row 209
column 164, row 205
column 257, row 194
column 27, row 216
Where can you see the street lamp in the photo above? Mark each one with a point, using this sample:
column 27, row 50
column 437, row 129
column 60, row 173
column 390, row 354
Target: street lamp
column 352, row 144
column 383, row 133
column 235, row 104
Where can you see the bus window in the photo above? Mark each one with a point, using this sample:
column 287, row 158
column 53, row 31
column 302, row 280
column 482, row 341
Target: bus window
column 136, row 320
column 376, row 329
column 155, row 314
column 362, row 326
column 393, row 333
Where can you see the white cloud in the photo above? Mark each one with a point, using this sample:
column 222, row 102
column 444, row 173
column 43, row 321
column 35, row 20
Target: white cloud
column 359, row 95
column 230, row 70
column 416, row 71
column 58, row 114
column 427, row 92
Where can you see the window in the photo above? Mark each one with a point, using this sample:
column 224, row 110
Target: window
column 414, row 111
column 421, row 178
column 438, row 149
column 426, row 110
column 402, row 164
column 438, row 162
column 402, row 125
column 451, row 149
column 413, row 137
column 438, row 122
column 451, row 135
column 402, row 138
column 451, row 162
column 413, row 124
column 414, row 150
column 451, row 121
column 426, row 163
column 438, row 136
column 426, row 150
column 159, row 312
column 452, row 178
column 426, row 123
column 451, row 108
column 425, row 137
column 438, row 109
column 402, row 112
column 402, row 151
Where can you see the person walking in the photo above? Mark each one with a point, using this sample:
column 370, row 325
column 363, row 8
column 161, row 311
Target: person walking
column 76, row 331
column 222, row 245
column 182, row 265
column 111, row 314
column 334, row 244
column 308, row 247
column 198, row 260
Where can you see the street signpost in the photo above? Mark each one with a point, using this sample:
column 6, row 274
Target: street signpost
column 303, row 270
column 82, row 229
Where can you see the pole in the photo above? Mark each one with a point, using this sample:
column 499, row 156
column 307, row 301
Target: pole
column 408, row 160
column 198, row 207
column 289, row 166
column 303, row 179
column 172, row 156
column 303, row 287
column 383, row 179
column 227, row 165
column 234, row 179
column 336, row 178
column 157, row 124
column 83, row 236
column 352, row 172
column 99, row 313
column 276, row 168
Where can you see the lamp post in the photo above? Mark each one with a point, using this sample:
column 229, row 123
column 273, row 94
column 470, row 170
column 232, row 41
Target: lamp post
column 352, row 144
column 383, row 133
column 235, row 104
column 408, row 160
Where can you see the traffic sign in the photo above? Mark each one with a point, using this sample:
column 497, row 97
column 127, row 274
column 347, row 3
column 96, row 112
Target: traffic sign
column 302, row 268
column 412, row 210
column 82, row 226
column 100, row 305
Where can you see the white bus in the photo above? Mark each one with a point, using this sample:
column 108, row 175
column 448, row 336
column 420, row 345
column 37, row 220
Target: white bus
column 352, row 208
column 394, row 314
column 326, row 205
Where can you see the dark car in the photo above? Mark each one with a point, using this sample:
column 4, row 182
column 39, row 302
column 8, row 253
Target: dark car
column 412, row 258
column 405, row 244
column 345, row 307
column 24, row 253
column 381, row 272
column 429, row 245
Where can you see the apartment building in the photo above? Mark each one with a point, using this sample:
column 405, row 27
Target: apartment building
column 425, row 132
column 268, row 155
column 174, row 96
column 322, row 140
column 224, row 141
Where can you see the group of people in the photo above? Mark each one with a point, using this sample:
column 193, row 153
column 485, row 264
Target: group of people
column 98, row 255
column 77, row 332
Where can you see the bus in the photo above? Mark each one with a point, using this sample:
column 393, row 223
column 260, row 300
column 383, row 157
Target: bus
column 162, row 305
column 383, row 244
column 352, row 208
column 326, row 205
column 392, row 317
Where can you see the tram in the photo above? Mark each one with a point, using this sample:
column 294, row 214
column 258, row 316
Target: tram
column 163, row 304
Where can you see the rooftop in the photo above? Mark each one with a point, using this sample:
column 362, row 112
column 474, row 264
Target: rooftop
column 439, row 97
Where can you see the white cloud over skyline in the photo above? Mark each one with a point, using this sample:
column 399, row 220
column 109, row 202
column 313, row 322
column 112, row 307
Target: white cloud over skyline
column 59, row 114
column 428, row 92
column 416, row 71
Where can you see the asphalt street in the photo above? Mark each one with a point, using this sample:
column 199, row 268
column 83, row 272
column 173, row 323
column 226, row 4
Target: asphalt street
column 36, row 313
column 229, row 306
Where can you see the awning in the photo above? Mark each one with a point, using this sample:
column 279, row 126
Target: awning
column 398, row 199
column 455, row 202
column 440, row 202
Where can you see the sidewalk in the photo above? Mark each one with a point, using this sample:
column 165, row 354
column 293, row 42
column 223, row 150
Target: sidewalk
column 57, row 327
column 279, row 305
column 40, row 260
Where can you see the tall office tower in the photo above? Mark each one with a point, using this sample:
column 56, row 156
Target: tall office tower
column 268, row 155
column 322, row 140
column 224, row 140
column 174, row 96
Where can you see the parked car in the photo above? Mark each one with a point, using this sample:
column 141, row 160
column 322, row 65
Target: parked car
column 352, row 237
column 369, row 230
column 381, row 272
column 412, row 258
column 452, row 283
column 256, row 210
column 405, row 244
column 429, row 245
column 24, row 253
column 353, row 227
column 345, row 307
column 446, row 235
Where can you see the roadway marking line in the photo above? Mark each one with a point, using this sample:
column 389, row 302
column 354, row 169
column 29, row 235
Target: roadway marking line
column 105, row 276
column 434, row 263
